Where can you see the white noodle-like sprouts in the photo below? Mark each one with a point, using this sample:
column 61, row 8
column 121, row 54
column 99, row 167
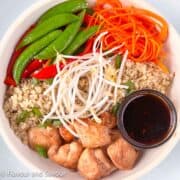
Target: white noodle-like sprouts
column 70, row 102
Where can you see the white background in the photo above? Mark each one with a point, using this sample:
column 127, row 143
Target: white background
column 169, row 169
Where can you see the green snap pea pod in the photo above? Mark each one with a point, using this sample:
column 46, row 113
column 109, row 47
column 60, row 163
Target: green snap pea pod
column 31, row 51
column 89, row 11
column 80, row 39
column 63, row 41
column 65, row 7
column 115, row 109
column 47, row 26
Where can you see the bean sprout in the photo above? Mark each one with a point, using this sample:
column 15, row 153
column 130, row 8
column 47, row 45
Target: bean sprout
column 70, row 102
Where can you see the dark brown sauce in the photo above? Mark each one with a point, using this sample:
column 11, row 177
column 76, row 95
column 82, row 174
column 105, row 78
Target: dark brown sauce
column 147, row 119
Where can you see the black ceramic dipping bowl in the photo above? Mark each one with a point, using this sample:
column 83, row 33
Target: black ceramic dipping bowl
column 147, row 118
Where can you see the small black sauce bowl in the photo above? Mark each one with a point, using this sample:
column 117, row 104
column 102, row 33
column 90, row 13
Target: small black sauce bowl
column 130, row 98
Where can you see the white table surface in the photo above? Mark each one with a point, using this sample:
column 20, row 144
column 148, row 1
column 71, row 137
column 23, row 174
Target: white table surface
column 169, row 169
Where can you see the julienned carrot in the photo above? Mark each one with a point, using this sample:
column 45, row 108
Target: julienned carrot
column 142, row 31
column 162, row 66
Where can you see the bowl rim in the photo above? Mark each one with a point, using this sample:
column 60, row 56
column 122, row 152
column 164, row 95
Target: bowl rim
column 16, row 23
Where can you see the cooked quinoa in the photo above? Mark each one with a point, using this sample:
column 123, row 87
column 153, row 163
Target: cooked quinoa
column 147, row 75
column 28, row 95
column 25, row 97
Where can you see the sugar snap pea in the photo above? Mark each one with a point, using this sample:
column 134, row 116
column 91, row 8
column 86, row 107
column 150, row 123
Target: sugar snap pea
column 65, row 7
column 63, row 41
column 80, row 39
column 31, row 51
column 48, row 26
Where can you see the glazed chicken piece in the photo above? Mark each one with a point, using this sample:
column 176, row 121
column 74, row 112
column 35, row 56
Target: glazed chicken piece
column 44, row 137
column 115, row 134
column 65, row 134
column 66, row 155
column 108, row 120
column 122, row 154
column 94, row 164
column 94, row 135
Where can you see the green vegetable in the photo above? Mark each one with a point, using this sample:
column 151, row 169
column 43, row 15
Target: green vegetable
column 65, row 7
column 56, row 123
column 118, row 61
column 47, row 26
column 131, row 87
column 89, row 11
column 35, row 81
column 45, row 124
column 80, row 39
column 41, row 151
column 115, row 109
column 50, row 122
column 30, row 52
column 36, row 111
column 49, row 81
column 80, row 50
column 23, row 116
column 63, row 41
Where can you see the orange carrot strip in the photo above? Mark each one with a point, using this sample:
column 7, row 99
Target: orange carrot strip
column 142, row 31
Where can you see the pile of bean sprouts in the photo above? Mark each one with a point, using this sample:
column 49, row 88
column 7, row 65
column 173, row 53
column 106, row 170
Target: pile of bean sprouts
column 69, row 102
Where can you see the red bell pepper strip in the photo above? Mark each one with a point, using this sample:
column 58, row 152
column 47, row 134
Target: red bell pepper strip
column 89, row 20
column 9, row 77
column 31, row 67
column 46, row 73
column 9, row 81
column 49, row 72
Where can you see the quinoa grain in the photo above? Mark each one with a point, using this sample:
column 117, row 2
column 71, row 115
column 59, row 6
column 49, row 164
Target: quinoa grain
column 28, row 95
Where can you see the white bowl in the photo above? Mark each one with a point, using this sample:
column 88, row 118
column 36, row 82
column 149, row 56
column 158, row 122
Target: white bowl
column 150, row 159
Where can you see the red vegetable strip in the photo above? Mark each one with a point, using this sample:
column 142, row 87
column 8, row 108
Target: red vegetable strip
column 9, row 81
column 31, row 67
column 49, row 71
column 87, row 19
column 9, row 77
column 46, row 73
